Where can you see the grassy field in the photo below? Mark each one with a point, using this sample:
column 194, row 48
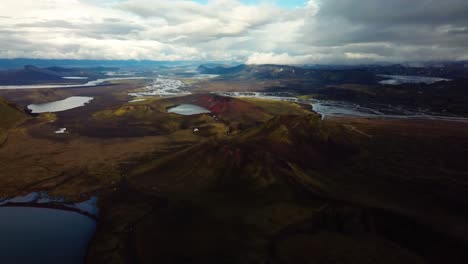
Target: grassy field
column 259, row 182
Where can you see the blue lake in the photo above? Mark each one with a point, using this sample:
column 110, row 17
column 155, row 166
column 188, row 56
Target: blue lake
column 43, row 235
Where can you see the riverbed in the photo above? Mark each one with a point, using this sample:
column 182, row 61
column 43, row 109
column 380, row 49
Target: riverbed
column 346, row 109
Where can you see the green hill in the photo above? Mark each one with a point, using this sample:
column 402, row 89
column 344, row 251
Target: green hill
column 288, row 189
column 284, row 72
column 10, row 116
column 263, row 192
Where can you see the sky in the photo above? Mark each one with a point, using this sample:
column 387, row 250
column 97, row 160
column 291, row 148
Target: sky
column 250, row 31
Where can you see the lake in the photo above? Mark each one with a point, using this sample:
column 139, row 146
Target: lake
column 188, row 109
column 400, row 79
column 37, row 228
column 62, row 105
column 42, row 235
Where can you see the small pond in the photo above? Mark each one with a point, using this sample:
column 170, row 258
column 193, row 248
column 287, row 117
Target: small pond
column 62, row 105
column 188, row 109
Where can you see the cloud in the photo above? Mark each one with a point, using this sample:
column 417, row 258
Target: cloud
column 272, row 58
column 313, row 7
column 320, row 31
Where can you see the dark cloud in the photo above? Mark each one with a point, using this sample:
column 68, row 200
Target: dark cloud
column 392, row 12
column 391, row 30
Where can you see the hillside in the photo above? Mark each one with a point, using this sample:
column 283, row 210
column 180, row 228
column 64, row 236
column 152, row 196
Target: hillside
column 253, row 152
column 449, row 97
column 269, row 72
column 450, row 70
column 10, row 116
column 28, row 75
column 205, row 69
column 150, row 117
column 34, row 75
column 287, row 189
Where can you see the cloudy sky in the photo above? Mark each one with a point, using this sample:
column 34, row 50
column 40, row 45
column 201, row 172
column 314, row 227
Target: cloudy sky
column 252, row 31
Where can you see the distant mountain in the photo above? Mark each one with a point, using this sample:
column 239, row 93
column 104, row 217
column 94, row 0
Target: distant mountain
column 268, row 72
column 205, row 69
column 445, row 70
column 124, row 64
column 447, row 97
column 90, row 70
column 29, row 75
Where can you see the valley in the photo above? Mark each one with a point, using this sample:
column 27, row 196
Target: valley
column 233, row 132
column 185, row 169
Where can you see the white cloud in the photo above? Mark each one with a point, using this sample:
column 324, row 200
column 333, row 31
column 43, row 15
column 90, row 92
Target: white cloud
column 283, row 58
column 313, row 7
column 321, row 31
column 364, row 56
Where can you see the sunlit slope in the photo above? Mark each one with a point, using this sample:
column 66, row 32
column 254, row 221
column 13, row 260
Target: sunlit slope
column 265, row 156
column 150, row 117
column 279, row 185
column 254, row 192
column 10, row 115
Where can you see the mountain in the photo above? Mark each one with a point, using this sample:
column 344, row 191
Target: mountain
column 450, row 70
column 284, row 186
column 279, row 150
column 207, row 69
column 279, row 72
column 28, row 75
column 80, row 71
column 288, row 189
column 446, row 97
column 123, row 64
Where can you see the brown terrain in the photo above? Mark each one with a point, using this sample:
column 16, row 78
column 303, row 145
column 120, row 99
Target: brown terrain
column 259, row 182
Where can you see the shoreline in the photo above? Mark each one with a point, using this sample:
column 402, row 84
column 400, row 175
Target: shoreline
column 60, row 207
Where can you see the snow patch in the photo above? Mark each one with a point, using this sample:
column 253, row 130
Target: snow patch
column 61, row 131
